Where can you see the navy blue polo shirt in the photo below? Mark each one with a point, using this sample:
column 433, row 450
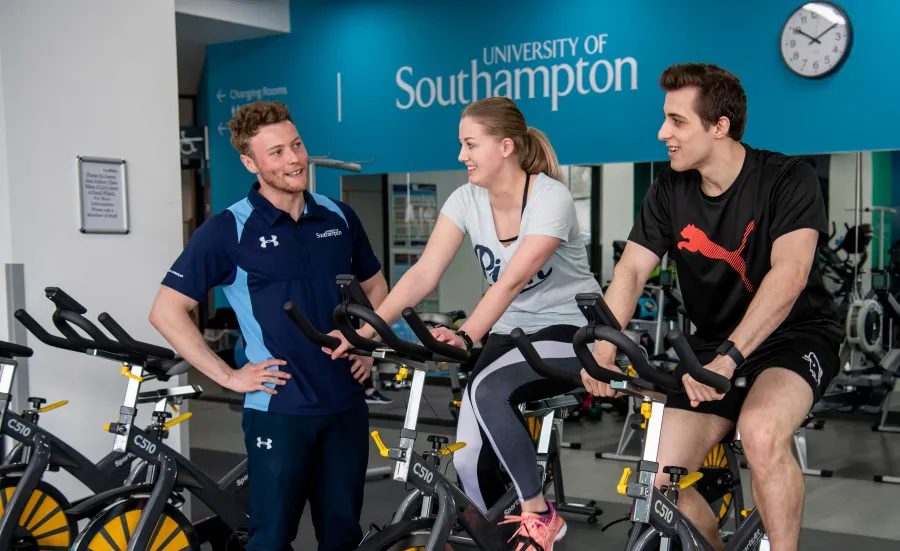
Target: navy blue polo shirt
column 262, row 258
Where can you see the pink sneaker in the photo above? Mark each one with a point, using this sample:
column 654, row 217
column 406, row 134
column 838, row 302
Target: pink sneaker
column 536, row 533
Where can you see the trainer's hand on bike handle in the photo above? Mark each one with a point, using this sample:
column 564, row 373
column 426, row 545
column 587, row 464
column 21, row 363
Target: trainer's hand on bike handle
column 252, row 377
column 697, row 392
column 341, row 351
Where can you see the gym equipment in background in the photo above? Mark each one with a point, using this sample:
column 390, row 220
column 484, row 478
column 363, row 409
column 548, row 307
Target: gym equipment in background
column 24, row 525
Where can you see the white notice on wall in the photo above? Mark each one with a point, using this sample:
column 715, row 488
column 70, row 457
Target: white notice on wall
column 102, row 194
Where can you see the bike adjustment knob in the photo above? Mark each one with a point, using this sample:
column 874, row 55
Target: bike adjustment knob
column 675, row 473
column 437, row 440
column 161, row 416
column 36, row 403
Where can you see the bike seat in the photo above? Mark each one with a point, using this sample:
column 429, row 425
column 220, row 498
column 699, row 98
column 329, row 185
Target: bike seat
column 168, row 368
column 12, row 350
column 442, row 319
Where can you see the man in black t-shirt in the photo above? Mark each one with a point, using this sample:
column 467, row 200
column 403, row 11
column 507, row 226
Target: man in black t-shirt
column 743, row 226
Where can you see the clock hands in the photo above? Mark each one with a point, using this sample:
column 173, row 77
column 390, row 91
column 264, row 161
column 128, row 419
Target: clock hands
column 833, row 25
column 797, row 30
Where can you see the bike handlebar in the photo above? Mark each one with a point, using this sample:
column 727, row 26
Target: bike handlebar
column 124, row 338
column 313, row 334
column 69, row 314
column 602, row 326
column 548, row 370
column 417, row 324
column 391, row 340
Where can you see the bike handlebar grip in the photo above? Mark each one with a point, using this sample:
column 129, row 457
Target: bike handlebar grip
column 350, row 333
column 692, row 365
column 70, row 316
column 387, row 334
column 589, row 363
column 538, row 364
column 123, row 337
column 428, row 341
column 62, row 300
column 42, row 334
column 11, row 349
column 633, row 352
column 307, row 328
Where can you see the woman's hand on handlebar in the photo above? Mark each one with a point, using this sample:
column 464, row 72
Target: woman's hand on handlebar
column 442, row 334
column 698, row 392
column 252, row 377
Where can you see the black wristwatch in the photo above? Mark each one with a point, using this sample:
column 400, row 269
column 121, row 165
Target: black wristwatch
column 466, row 339
column 727, row 348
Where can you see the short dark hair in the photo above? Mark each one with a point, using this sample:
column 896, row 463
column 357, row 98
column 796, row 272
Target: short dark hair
column 249, row 118
column 720, row 93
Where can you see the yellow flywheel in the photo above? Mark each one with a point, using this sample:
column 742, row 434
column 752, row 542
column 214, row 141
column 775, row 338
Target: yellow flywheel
column 112, row 529
column 43, row 521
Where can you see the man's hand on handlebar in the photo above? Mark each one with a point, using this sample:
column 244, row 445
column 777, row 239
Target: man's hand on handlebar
column 442, row 334
column 252, row 377
column 593, row 386
column 697, row 392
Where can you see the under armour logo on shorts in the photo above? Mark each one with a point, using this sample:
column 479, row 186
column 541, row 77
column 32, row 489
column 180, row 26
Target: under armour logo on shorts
column 267, row 443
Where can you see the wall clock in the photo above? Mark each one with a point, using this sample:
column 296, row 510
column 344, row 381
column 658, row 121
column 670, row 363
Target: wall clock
column 816, row 39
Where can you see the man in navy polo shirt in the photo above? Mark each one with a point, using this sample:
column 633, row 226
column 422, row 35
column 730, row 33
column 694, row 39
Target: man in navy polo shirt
column 305, row 418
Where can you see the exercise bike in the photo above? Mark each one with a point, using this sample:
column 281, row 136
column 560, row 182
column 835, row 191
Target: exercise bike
column 35, row 514
column 146, row 515
column 436, row 511
column 654, row 513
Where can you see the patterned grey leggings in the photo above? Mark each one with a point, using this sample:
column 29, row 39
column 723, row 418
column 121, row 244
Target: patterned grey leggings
column 490, row 422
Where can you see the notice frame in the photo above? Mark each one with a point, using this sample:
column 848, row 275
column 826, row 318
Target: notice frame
column 102, row 195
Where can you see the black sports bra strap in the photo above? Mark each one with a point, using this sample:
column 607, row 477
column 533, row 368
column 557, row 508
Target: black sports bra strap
column 524, row 202
column 525, row 195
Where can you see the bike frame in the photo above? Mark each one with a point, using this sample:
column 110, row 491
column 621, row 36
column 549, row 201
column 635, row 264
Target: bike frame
column 45, row 451
column 227, row 499
column 653, row 509
column 431, row 484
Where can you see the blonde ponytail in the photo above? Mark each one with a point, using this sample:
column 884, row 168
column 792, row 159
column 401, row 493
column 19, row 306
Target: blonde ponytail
column 540, row 156
column 501, row 118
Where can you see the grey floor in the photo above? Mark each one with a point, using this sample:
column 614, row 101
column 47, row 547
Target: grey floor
column 846, row 511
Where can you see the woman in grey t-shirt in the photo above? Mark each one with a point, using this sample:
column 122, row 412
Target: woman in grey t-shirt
column 522, row 223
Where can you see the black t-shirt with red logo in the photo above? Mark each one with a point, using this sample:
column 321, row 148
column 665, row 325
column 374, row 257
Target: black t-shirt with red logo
column 722, row 245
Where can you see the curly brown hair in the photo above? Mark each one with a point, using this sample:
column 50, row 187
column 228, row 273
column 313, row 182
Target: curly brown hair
column 720, row 94
column 249, row 118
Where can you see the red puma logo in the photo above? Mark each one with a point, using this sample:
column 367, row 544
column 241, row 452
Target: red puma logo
column 697, row 241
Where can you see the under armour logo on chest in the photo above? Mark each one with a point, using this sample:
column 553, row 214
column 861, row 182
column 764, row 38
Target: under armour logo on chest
column 260, row 443
column 263, row 242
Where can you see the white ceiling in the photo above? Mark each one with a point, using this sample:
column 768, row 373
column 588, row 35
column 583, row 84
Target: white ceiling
column 194, row 33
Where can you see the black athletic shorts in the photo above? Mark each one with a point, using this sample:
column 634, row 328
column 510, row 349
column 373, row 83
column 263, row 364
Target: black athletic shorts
column 809, row 349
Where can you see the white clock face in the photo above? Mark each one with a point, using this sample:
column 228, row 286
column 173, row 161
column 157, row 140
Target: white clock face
column 816, row 39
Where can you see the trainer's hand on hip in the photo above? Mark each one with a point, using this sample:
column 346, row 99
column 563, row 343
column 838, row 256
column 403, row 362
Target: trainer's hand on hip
column 252, row 377
column 698, row 392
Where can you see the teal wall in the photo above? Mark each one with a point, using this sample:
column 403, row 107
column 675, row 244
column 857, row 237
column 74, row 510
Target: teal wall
column 369, row 44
